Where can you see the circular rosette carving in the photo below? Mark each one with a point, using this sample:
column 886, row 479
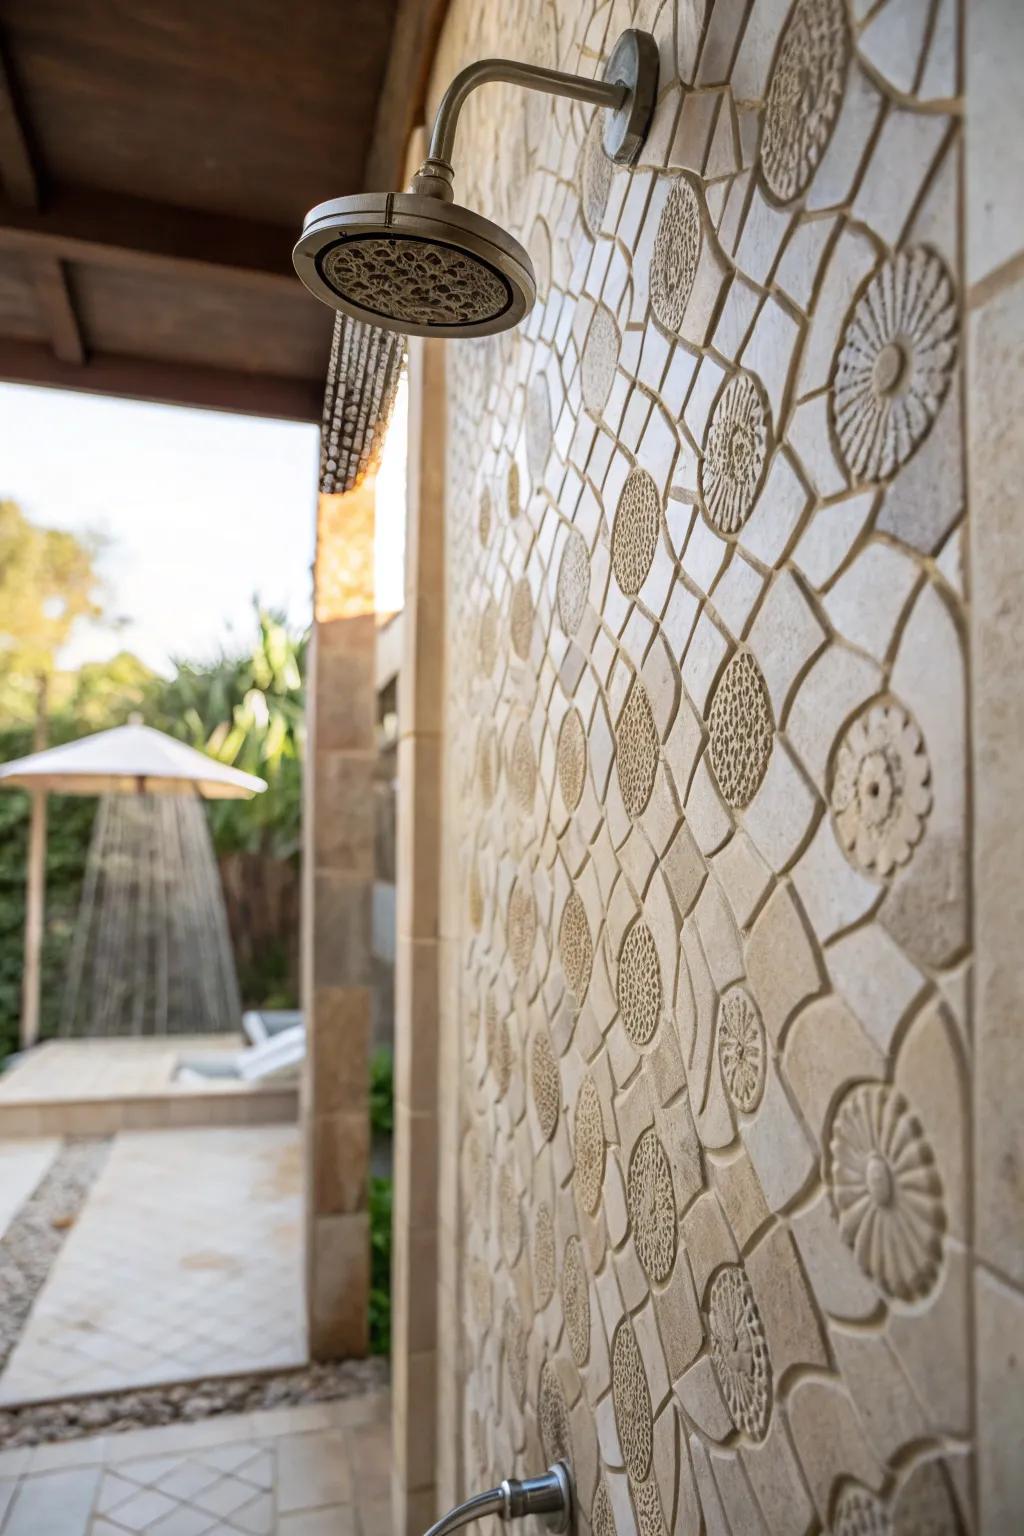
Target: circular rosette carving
column 553, row 1417
column 573, row 587
column 881, row 789
column 522, row 768
column 739, row 1352
column 522, row 926
column 635, row 531
column 521, row 618
column 487, row 638
column 600, row 360
column 804, row 95
column 595, row 175
column 859, row 1512
column 631, row 1400
column 571, row 758
column 575, row 946
column 602, row 1517
column 510, row 1216
column 545, row 1082
column 735, row 453
column 539, row 430
column 639, row 984
column 886, row 1191
column 740, row 730
column 894, row 363
column 588, row 1142
column 675, row 255
column 652, row 1206
column 576, row 1301
column 636, row 750
column 514, row 1343
column 742, row 1052
column 543, row 1255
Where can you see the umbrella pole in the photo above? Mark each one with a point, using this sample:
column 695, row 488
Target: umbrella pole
column 35, row 891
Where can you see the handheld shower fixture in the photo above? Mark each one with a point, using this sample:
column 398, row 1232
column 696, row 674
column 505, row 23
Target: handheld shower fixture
column 419, row 263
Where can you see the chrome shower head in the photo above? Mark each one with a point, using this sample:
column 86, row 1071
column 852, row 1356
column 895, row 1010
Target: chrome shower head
column 417, row 262
column 411, row 262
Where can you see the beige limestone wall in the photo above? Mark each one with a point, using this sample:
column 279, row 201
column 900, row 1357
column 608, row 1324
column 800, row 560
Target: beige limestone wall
column 708, row 1202
column 337, row 889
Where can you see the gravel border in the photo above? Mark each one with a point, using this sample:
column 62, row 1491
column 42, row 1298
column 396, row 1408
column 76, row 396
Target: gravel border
column 188, row 1402
column 38, row 1230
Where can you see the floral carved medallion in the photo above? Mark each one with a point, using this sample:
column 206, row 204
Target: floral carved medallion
column 886, row 1191
column 894, row 363
column 881, row 789
column 742, row 1052
column 804, row 95
column 739, row 1352
column 652, row 1206
column 735, row 454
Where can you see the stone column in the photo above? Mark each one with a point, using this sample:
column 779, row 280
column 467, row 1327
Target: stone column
column 995, row 375
column 420, row 694
column 338, row 869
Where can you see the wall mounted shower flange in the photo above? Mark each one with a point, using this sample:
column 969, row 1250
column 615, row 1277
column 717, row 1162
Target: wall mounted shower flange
column 419, row 263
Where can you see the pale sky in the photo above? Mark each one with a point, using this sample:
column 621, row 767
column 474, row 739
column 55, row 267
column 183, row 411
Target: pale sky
column 201, row 510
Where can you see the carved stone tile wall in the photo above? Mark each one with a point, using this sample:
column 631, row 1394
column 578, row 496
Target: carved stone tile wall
column 706, row 778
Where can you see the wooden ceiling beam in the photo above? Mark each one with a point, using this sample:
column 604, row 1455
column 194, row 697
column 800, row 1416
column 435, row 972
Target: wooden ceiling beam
column 114, row 230
column 22, row 187
column 167, row 383
column 55, row 305
column 403, row 93
column 18, row 177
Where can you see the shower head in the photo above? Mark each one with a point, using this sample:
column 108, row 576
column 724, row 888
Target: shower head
column 411, row 262
column 417, row 262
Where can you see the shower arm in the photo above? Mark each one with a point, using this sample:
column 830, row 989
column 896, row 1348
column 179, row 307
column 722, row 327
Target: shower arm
column 628, row 90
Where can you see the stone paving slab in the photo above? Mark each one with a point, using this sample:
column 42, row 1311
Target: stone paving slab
column 185, row 1263
column 322, row 1468
column 22, row 1165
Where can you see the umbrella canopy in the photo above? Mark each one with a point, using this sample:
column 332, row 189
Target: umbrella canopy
column 130, row 760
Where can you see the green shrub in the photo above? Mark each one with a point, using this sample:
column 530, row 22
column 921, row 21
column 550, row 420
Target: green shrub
column 380, row 1266
column 382, row 1093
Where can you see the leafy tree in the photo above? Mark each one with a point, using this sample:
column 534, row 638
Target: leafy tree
column 48, row 582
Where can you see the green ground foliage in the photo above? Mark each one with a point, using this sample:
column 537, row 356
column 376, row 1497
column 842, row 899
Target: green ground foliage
column 382, row 1121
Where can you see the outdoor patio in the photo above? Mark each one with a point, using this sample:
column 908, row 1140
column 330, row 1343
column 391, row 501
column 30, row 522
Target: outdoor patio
column 321, row 1470
column 184, row 1262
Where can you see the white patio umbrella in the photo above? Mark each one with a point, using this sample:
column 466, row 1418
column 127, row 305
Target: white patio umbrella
column 132, row 759
column 152, row 952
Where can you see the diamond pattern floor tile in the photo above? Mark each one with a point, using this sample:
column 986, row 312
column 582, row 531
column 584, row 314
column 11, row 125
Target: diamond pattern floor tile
column 185, row 1262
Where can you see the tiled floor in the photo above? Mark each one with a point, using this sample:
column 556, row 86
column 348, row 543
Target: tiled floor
column 322, row 1470
column 185, row 1262
column 22, row 1165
